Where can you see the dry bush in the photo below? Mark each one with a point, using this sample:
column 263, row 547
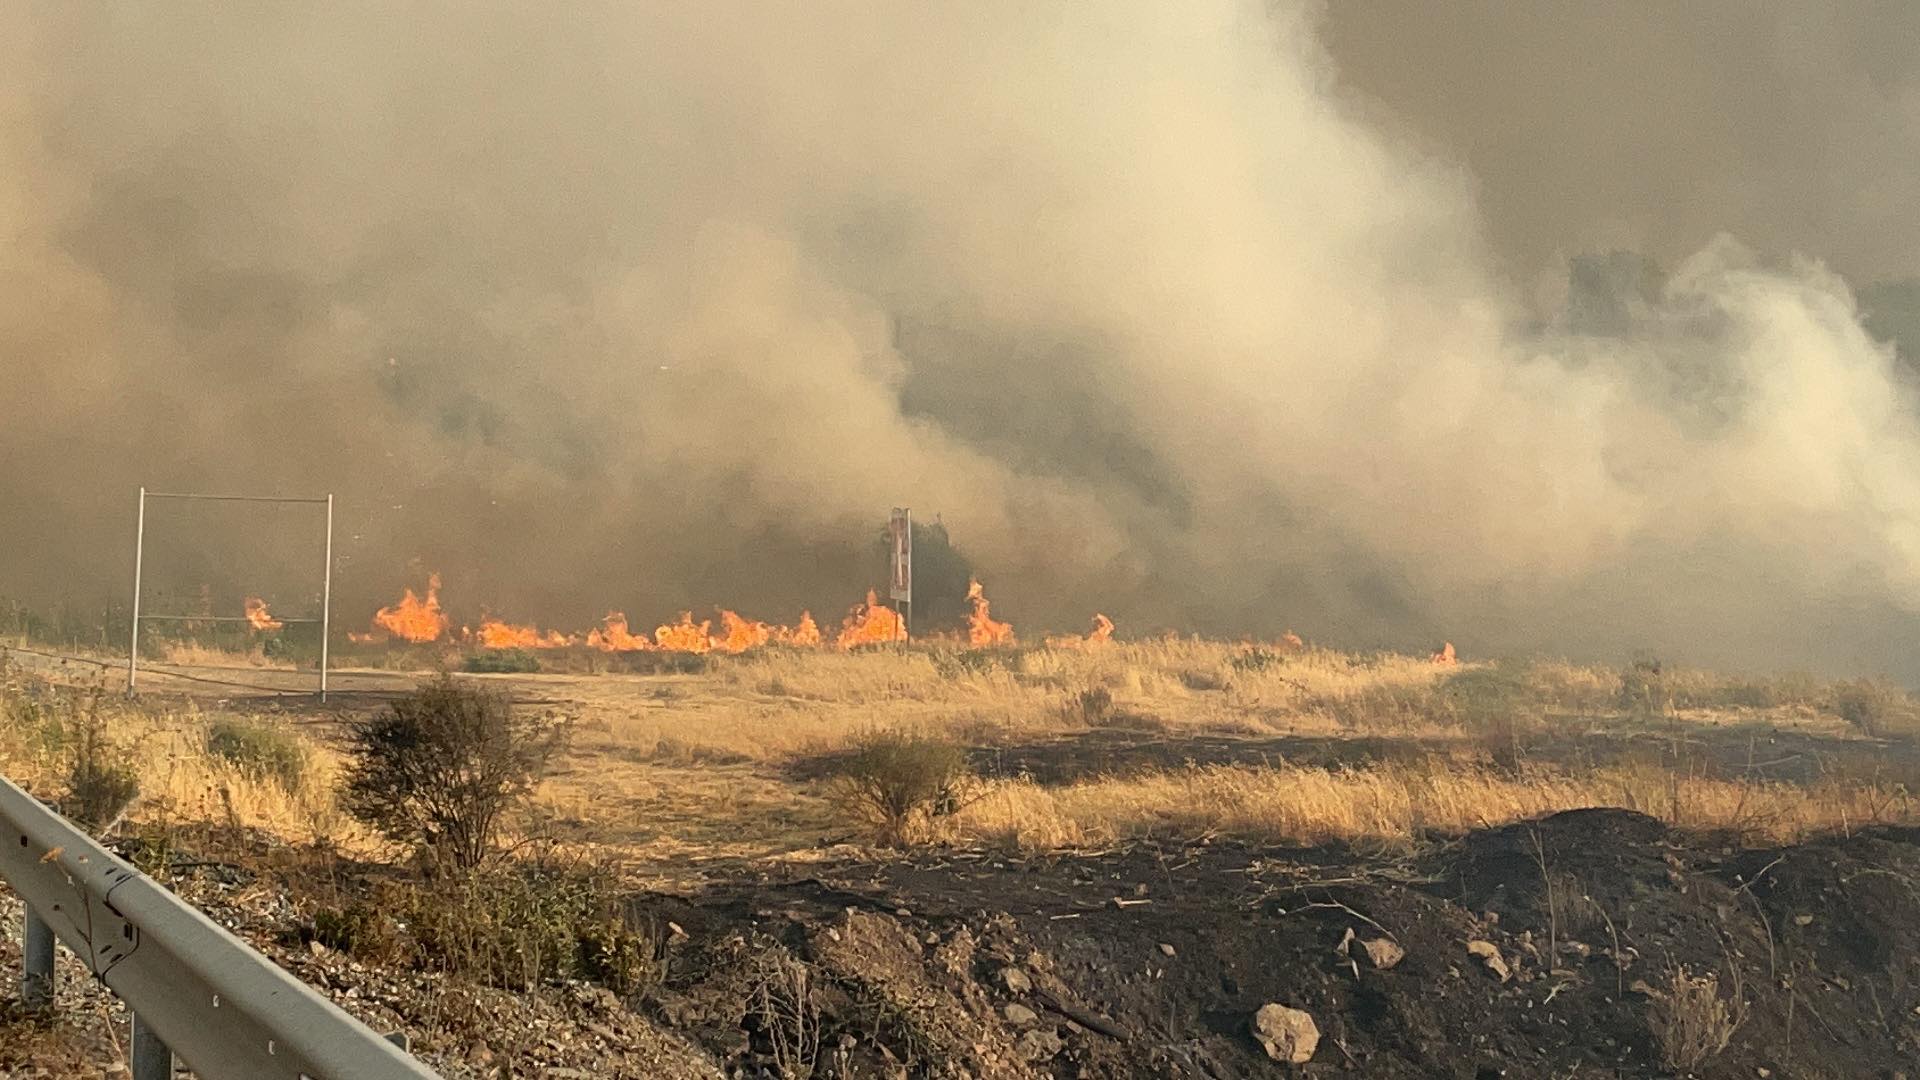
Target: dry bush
column 1644, row 689
column 502, row 662
column 783, row 1009
column 895, row 781
column 516, row 926
column 1092, row 707
column 1691, row 1022
column 259, row 749
column 439, row 768
column 101, row 778
column 1874, row 707
column 1573, row 910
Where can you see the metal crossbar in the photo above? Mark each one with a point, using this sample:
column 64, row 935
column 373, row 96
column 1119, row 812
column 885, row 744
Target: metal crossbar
column 139, row 558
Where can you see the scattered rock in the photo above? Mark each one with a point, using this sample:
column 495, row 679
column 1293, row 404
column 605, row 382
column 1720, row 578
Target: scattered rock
column 1286, row 1034
column 1166, row 949
column 1489, row 954
column 1016, row 981
column 1803, row 920
column 1383, row 953
column 1038, row 1044
column 1019, row 1015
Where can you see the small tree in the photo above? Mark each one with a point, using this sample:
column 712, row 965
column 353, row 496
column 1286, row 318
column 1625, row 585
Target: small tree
column 440, row 767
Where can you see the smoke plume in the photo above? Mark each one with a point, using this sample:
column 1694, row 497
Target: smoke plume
column 1165, row 315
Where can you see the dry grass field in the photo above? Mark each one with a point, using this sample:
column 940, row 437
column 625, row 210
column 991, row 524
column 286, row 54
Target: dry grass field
column 695, row 875
column 1077, row 747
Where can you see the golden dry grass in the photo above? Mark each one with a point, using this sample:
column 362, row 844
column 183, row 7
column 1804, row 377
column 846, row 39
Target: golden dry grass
column 697, row 767
column 1395, row 804
column 179, row 779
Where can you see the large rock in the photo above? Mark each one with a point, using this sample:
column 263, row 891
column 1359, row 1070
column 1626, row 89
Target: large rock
column 1383, row 953
column 1288, row 1035
column 1489, row 954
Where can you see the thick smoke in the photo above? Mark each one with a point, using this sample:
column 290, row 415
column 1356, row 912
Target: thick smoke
column 651, row 306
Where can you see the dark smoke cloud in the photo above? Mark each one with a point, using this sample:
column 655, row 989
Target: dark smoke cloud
column 1164, row 314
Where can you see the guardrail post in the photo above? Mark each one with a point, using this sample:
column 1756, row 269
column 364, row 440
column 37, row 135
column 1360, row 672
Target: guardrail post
column 152, row 1060
column 36, row 948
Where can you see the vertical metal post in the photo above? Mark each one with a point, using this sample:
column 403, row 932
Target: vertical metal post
column 139, row 550
column 326, row 600
column 152, row 1060
column 36, row 980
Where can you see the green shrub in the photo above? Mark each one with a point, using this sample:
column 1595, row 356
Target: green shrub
column 516, row 927
column 259, row 749
column 894, row 781
column 503, row 662
column 439, row 768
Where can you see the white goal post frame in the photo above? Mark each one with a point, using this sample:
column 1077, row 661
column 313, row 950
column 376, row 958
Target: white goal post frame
column 139, row 557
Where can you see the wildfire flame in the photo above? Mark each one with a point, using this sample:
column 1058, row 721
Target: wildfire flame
column 1444, row 655
column 871, row 623
column 982, row 630
column 741, row 634
column 257, row 616
column 805, row 635
column 1101, row 633
column 685, row 635
column 413, row 618
column 495, row 634
column 421, row 619
column 613, row 636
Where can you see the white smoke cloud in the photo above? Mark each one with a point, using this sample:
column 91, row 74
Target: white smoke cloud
column 663, row 306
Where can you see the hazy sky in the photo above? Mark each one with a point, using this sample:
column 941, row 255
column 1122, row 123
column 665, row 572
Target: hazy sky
column 1222, row 316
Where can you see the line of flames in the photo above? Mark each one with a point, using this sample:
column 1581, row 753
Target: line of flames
column 419, row 618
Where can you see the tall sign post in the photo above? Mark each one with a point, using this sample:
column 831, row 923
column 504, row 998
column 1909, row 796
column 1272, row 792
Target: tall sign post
column 900, row 583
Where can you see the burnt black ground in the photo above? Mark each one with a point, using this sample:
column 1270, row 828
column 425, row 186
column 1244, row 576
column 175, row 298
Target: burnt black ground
column 1821, row 939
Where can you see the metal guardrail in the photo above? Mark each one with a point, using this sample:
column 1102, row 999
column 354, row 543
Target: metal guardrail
column 195, row 990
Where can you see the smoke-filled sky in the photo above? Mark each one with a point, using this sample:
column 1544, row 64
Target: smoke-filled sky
column 1213, row 316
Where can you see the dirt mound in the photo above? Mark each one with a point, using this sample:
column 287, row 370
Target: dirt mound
column 1153, row 961
column 1535, row 950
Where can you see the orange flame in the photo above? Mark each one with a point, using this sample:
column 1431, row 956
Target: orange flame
column 1444, row 655
column 740, row 634
column 685, row 635
column 805, row 635
column 257, row 616
column 1292, row 641
column 871, row 623
column 613, row 636
column 982, row 630
column 1101, row 633
column 495, row 634
column 413, row 618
